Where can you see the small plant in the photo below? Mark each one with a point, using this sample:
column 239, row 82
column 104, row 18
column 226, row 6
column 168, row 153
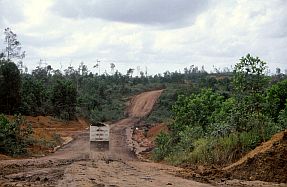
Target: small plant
column 164, row 147
column 15, row 136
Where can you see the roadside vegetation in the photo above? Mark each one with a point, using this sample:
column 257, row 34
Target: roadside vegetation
column 219, row 124
column 15, row 136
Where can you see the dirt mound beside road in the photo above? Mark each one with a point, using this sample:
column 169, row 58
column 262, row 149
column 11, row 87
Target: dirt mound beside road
column 260, row 149
column 266, row 165
column 269, row 163
column 50, row 133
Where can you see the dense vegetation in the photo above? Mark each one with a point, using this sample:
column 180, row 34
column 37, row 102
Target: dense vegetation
column 77, row 92
column 218, row 125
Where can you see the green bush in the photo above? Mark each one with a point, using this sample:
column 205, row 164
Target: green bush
column 108, row 112
column 14, row 136
column 249, row 140
column 213, row 150
column 163, row 146
column 64, row 99
column 201, row 152
column 276, row 99
column 283, row 117
column 162, row 110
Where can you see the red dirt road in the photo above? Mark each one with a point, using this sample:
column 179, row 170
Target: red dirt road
column 79, row 164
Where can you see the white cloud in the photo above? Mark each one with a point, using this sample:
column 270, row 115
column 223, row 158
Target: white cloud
column 11, row 12
column 156, row 12
column 218, row 34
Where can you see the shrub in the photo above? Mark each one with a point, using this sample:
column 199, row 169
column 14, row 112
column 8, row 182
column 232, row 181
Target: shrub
column 201, row 152
column 283, row 117
column 163, row 146
column 14, row 136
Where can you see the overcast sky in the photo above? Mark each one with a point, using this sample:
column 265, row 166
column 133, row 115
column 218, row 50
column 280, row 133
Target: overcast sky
column 157, row 34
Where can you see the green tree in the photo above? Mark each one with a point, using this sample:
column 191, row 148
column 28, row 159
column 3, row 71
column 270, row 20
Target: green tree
column 10, row 86
column 276, row 99
column 14, row 135
column 64, row 99
column 249, row 84
column 34, row 96
column 249, row 77
column 283, row 117
column 195, row 110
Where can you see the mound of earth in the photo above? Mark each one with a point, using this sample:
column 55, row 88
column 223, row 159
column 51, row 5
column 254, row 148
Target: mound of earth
column 269, row 165
column 50, row 133
column 267, row 162
column 4, row 157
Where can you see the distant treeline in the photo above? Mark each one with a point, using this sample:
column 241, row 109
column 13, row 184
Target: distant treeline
column 75, row 91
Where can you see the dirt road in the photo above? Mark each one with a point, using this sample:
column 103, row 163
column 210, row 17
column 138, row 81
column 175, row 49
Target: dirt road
column 79, row 164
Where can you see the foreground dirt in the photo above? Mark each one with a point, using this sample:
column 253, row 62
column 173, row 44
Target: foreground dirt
column 268, row 162
column 80, row 163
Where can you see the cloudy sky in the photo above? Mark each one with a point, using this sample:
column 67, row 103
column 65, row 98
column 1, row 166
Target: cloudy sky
column 155, row 34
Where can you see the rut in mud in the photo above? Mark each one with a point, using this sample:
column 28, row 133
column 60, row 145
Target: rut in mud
column 76, row 164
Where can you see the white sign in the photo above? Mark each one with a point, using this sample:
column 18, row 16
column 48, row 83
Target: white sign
column 99, row 133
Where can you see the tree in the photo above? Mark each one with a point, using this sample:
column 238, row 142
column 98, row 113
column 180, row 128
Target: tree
column 34, row 96
column 195, row 110
column 40, row 73
column 13, row 48
column 276, row 98
column 2, row 56
column 130, row 72
column 15, row 135
column 278, row 71
column 10, row 86
column 249, row 83
column 83, row 69
column 113, row 68
column 249, row 74
column 64, row 99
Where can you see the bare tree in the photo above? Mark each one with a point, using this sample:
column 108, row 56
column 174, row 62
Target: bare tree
column 13, row 48
column 98, row 66
column 113, row 68
column 130, row 72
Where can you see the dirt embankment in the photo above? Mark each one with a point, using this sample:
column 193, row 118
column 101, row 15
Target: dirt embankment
column 268, row 163
column 51, row 133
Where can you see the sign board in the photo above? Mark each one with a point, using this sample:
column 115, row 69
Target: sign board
column 99, row 133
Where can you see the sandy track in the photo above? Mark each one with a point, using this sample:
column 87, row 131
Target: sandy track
column 76, row 164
